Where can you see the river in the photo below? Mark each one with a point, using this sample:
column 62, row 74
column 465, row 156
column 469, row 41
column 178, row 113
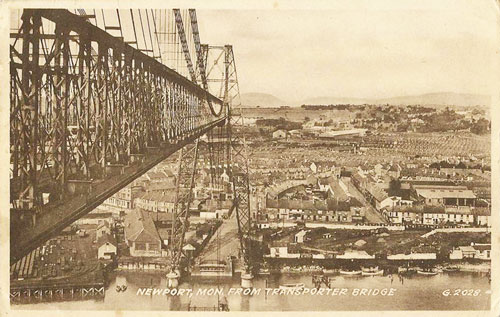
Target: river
column 412, row 293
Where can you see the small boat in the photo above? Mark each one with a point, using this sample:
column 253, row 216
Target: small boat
column 451, row 269
column 124, row 288
column 427, row 271
column 407, row 270
column 329, row 271
column 372, row 271
column 346, row 272
column 292, row 286
column 118, row 288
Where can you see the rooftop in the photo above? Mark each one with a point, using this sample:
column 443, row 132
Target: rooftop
column 139, row 227
column 106, row 238
column 445, row 193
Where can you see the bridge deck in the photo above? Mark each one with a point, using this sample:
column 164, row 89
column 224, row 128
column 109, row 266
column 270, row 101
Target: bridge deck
column 56, row 216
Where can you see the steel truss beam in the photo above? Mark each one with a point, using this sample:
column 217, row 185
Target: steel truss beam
column 83, row 101
column 236, row 150
column 186, row 177
column 238, row 156
column 185, row 49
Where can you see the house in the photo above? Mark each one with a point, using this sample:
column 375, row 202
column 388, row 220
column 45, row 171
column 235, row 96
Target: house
column 106, row 247
column 482, row 216
column 375, row 195
column 299, row 236
column 394, row 201
column 102, row 229
column 456, row 196
column 189, row 249
column 323, row 184
column 124, row 199
column 95, row 217
column 141, row 235
column 224, row 177
column 314, row 167
column 295, row 133
column 359, row 255
column 463, row 252
column 379, row 169
column 283, row 249
column 166, row 185
column 279, row 249
column 157, row 177
column 428, row 215
column 280, row 134
column 394, row 171
column 157, row 201
column 483, row 251
column 474, row 251
column 329, row 210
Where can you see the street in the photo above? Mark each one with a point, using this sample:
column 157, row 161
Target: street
column 372, row 215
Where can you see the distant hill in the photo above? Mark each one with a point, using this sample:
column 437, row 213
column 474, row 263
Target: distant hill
column 254, row 99
column 440, row 98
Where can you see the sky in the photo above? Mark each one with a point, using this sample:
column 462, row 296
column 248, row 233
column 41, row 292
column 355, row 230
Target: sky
column 360, row 49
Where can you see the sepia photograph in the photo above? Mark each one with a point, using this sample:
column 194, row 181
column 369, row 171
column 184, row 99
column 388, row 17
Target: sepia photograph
column 267, row 158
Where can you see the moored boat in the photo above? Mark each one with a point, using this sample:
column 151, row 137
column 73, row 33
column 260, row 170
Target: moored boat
column 371, row 271
column 451, row 269
column 329, row 271
column 431, row 271
column 292, row 286
column 347, row 272
column 407, row 270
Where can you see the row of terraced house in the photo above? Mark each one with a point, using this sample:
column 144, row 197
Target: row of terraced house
column 426, row 202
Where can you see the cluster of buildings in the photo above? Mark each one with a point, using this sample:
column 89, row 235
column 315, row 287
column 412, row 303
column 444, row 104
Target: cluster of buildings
column 480, row 251
column 144, row 212
column 315, row 199
column 428, row 202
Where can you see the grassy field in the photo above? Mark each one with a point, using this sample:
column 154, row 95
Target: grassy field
column 404, row 148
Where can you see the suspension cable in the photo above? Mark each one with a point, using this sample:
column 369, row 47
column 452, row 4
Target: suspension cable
column 143, row 33
column 133, row 26
column 156, row 33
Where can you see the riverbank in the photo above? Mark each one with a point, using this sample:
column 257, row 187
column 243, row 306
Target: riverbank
column 483, row 267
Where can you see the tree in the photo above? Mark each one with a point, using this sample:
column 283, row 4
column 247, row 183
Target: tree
column 480, row 127
column 394, row 187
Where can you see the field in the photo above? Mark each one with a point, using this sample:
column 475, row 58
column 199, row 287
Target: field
column 435, row 144
column 402, row 147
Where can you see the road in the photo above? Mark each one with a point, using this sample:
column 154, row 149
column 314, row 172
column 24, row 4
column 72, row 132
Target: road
column 224, row 242
column 372, row 215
